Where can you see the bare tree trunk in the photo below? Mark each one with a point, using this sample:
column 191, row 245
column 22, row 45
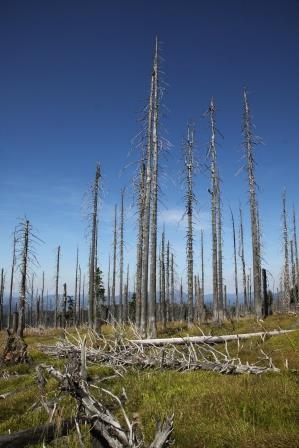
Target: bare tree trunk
column 147, row 213
column 181, row 302
column 57, row 288
column 293, row 271
column 296, row 253
column 189, row 170
column 141, row 197
column 64, row 305
column 114, row 263
column 167, row 282
column 256, row 249
column 13, row 265
column 214, row 208
column 76, row 287
column 236, row 267
column 24, row 268
column 202, row 270
column 152, row 324
column 219, row 248
column 108, row 289
column 126, row 301
column 172, row 289
column 286, row 283
column 121, row 258
column 163, row 295
column 92, row 318
column 78, row 319
column 1, row 299
column 242, row 256
column 42, row 311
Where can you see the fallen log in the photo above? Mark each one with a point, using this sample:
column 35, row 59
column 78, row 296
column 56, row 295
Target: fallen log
column 39, row 434
column 206, row 339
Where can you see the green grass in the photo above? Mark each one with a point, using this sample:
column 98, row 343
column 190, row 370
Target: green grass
column 210, row 410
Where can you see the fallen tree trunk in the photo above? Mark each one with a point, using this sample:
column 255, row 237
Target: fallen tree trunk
column 39, row 434
column 206, row 339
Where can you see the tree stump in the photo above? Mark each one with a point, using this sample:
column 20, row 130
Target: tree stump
column 15, row 350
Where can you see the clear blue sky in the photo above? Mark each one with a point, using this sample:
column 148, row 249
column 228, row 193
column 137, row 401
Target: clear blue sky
column 74, row 76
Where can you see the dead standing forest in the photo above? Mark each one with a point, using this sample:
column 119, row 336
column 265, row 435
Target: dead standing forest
column 159, row 326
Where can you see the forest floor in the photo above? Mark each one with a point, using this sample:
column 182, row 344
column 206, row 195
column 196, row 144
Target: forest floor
column 210, row 410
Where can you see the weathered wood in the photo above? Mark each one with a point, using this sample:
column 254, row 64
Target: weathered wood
column 31, row 436
column 206, row 339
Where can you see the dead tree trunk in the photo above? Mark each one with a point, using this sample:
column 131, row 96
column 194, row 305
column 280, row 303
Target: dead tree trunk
column 126, row 301
column 202, row 269
column 57, row 288
column 76, row 287
column 219, row 249
column 167, row 282
column 242, row 256
column 25, row 231
column 293, row 273
column 236, row 266
column 163, row 295
column 1, row 299
column 92, row 318
column 147, row 211
column 152, row 324
column 189, row 172
column 114, row 263
column 172, row 289
column 64, row 305
column 265, row 294
column 121, row 257
column 13, row 266
column 214, row 208
column 296, row 253
column 249, row 143
column 78, row 318
column 286, row 283
column 42, row 311
column 141, row 196
column 181, row 302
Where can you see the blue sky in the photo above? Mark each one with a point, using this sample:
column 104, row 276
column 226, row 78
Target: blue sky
column 74, row 79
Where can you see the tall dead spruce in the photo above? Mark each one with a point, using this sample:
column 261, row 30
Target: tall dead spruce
column 92, row 308
column 286, row 266
column 249, row 142
column 190, row 198
column 149, row 227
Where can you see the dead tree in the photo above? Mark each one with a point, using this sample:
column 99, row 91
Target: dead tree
column 236, row 266
column 108, row 288
column 152, row 324
column 181, row 302
column 147, row 209
column 293, row 273
column 167, row 281
column 219, row 249
column 172, row 289
column 296, row 252
column 57, row 288
column 42, row 311
column 286, row 271
column 163, row 281
column 64, row 306
column 78, row 318
column 214, row 209
column 202, row 268
column 1, row 299
column 190, row 198
column 242, row 256
column 13, row 266
column 92, row 317
column 114, row 263
column 76, row 287
column 126, row 298
column 249, row 142
column 121, row 257
column 141, row 197
column 24, row 232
